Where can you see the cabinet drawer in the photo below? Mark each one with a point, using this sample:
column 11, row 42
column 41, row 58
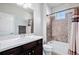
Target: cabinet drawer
column 29, row 45
column 13, row 51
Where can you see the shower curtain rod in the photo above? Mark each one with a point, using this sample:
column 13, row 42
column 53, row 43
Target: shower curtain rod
column 61, row 11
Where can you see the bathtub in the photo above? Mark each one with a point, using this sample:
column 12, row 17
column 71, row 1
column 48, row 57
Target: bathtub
column 56, row 48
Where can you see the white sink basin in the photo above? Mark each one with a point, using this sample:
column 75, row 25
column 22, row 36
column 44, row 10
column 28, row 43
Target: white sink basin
column 8, row 42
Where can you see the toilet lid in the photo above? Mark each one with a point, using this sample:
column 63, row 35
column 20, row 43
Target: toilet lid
column 47, row 47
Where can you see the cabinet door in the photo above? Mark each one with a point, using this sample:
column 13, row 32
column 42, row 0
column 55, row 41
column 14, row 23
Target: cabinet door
column 38, row 51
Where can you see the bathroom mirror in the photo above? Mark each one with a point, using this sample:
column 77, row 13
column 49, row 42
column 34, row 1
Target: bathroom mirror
column 15, row 19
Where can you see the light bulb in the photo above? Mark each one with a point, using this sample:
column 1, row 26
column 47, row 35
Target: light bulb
column 27, row 5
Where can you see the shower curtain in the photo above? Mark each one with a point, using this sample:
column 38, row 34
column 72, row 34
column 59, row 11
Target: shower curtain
column 74, row 39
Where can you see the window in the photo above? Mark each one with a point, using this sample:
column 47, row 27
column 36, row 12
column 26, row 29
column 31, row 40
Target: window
column 60, row 16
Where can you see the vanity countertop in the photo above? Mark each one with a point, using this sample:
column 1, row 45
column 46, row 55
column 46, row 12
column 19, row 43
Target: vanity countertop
column 11, row 41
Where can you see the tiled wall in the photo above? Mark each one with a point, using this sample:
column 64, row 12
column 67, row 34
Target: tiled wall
column 60, row 30
column 49, row 29
column 57, row 30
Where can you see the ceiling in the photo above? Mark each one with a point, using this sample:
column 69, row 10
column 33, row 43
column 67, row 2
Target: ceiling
column 53, row 5
column 26, row 9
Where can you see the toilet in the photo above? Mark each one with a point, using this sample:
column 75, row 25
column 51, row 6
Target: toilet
column 47, row 49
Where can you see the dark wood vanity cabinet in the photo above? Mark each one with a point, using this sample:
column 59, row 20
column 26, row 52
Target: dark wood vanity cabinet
column 32, row 48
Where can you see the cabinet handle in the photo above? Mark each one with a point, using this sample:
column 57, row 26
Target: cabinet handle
column 29, row 53
column 33, row 51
